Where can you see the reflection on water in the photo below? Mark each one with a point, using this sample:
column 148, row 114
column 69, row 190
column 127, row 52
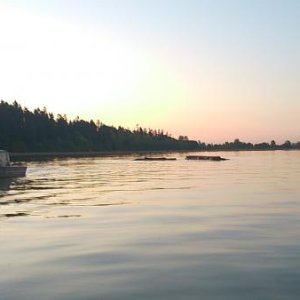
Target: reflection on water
column 114, row 228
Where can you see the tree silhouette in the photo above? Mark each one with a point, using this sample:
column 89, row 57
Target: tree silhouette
column 22, row 130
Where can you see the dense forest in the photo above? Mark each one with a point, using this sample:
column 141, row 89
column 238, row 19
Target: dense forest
column 22, row 130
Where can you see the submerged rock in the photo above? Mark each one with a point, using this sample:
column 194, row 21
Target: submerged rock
column 154, row 158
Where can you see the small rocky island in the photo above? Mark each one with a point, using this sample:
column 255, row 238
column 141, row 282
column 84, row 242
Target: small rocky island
column 203, row 157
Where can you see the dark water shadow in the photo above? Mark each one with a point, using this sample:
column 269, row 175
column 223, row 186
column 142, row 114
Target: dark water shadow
column 5, row 184
column 12, row 215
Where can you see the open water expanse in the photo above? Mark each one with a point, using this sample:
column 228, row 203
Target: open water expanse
column 113, row 228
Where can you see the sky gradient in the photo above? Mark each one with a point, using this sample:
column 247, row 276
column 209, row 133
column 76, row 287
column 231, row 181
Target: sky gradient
column 213, row 70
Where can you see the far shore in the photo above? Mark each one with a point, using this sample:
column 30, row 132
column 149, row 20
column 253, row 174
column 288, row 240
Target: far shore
column 46, row 155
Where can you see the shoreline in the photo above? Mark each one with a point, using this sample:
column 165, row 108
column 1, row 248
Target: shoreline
column 53, row 155
column 45, row 155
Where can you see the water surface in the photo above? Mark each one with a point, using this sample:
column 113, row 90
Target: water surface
column 114, row 228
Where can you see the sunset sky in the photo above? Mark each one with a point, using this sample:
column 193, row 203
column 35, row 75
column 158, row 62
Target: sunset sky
column 214, row 70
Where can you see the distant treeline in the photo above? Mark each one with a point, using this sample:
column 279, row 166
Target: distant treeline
column 238, row 145
column 22, row 130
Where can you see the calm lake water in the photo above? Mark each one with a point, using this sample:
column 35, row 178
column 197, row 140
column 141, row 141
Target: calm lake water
column 114, row 228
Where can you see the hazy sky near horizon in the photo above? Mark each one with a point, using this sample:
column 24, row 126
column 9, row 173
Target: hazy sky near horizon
column 214, row 70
